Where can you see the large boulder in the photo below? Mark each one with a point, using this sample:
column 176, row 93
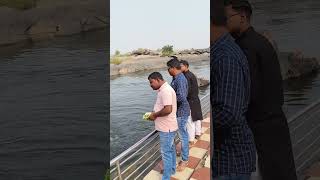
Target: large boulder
column 141, row 51
column 202, row 82
column 51, row 18
column 293, row 64
column 193, row 51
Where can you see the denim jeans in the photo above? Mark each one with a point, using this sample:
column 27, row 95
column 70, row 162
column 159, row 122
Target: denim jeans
column 184, row 137
column 168, row 153
column 233, row 177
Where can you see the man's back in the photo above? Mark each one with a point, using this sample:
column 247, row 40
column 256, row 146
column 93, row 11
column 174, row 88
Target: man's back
column 266, row 80
column 234, row 150
column 192, row 84
column 193, row 98
column 180, row 86
column 265, row 113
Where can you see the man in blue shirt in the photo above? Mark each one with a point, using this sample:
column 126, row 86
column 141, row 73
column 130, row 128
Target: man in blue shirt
column 234, row 153
column 180, row 85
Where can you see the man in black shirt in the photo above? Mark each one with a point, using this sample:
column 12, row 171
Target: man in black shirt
column 194, row 123
column 265, row 115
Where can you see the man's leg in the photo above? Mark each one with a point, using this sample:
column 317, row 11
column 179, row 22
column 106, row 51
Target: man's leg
column 166, row 144
column 184, row 137
column 198, row 127
column 191, row 129
column 182, row 123
column 274, row 150
column 173, row 153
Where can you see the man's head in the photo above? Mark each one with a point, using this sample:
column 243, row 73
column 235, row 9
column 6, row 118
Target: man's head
column 174, row 67
column 184, row 65
column 238, row 13
column 218, row 20
column 155, row 80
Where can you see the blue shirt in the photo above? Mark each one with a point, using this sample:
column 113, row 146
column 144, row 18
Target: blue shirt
column 180, row 86
column 234, row 149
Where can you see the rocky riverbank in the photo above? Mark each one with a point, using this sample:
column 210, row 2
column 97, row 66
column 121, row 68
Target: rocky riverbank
column 51, row 18
column 147, row 62
column 293, row 64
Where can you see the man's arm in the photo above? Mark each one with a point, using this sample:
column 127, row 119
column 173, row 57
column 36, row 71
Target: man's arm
column 163, row 112
column 189, row 79
column 255, row 70
column 166, row 110
column 271, row 73
column 228, row 93
column 182, row 91
column 195, row 86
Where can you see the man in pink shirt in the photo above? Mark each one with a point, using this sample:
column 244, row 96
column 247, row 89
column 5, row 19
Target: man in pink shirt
column 164, row 117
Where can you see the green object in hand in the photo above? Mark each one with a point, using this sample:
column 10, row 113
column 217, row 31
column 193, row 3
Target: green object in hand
column 146, row 116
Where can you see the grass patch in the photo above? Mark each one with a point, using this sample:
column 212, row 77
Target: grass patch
column 118, row 58
column 115, row 60
column 19, row 4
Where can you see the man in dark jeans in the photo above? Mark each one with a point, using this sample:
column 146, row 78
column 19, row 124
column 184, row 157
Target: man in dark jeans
column 234, row 155
column 194, row 122
column 180, row 86
column 265, row 116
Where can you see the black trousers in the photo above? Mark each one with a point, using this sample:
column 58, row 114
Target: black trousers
column 274, row 148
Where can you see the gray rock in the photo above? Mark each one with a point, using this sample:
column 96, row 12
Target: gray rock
column 293, row 64
column 202, row 82
column 194, row 51
column 50, row 19
column 142, row 51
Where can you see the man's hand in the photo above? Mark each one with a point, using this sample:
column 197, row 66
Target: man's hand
column 152, row 116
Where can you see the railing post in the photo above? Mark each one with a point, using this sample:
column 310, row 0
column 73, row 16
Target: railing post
column 119, row 171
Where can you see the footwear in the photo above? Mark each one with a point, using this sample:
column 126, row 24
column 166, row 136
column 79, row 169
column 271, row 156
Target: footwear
column 191, row 144
column 182, row 165
column 197, row 137
column 178, row 154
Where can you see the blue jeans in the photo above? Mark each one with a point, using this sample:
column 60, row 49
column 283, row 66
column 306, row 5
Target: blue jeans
column 233, row 177
column 168, row 153
column 184, row 137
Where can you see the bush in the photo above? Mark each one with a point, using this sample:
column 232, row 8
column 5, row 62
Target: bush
column 167, row 50
column 117, row 53
column 115, row 60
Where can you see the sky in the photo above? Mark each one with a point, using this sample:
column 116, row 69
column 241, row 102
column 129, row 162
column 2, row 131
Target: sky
column 152, row 24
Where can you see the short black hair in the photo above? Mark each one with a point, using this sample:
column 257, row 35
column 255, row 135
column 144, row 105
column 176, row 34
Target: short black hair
column 217, row 14
column 174, row 57
column 174, row 63
column 156, row 76
column 242, row 6
column 184, row 62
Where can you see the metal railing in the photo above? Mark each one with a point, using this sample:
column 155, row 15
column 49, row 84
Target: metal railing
column 139, row 159
column 305, row 136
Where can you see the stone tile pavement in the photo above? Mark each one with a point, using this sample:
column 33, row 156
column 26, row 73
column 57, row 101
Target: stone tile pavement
column 199, row 159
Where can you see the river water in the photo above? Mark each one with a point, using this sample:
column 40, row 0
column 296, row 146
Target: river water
column 53, row 98
column 293, row 24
